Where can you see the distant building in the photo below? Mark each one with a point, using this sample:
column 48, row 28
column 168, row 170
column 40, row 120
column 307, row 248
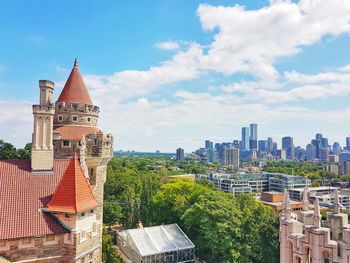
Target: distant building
column 281, row 154
column 347, row 143
column 269, row 145
column 255, row 183
column 208, row 144
column 213, row 155
column 253, row 140
column 263, row 146
column 344, row 163
column 332, row 168
column 336, row 148
column 180, row 155
column 280, row 182
column 164, row 243
column 288, row 146
column 245, row 139
column 275, row 201
column 230, row 157
column 310, row 152
column 334, row 158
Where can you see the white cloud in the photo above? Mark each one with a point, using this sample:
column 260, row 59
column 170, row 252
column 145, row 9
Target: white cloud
column 16, row 122
column 345, row 68
column 168, row 45
column 251, row 40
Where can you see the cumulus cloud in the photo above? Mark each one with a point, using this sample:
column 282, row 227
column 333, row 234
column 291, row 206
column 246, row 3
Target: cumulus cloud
column 168, row 45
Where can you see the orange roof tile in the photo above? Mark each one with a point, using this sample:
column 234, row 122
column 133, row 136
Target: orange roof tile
column 74, row 132
column 73, row 193
column 74, row 90
column 23, row 194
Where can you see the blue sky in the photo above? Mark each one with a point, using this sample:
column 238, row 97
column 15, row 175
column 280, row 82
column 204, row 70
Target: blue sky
column 170, row 74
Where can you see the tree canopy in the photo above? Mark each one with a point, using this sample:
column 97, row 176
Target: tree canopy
column 8, row 151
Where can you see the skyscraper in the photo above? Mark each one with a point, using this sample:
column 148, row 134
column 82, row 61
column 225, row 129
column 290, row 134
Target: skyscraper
column 180, row 155
column 310, row 152
column 269, row 144
column 245, row 138
column 348, row 143
column 288, row 146
column 253, row 140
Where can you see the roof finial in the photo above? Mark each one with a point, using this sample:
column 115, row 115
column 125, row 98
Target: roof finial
column 75, row 62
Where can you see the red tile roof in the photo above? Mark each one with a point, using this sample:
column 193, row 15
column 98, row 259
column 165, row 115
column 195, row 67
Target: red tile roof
column 74, row 132
column 23, row 194
column 74, row 90
column 73, row 194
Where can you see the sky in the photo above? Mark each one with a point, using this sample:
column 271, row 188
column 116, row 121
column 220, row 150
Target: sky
column 173, row 73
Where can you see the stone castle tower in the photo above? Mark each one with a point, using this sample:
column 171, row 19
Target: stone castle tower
column 57, row 216
column 306, row 238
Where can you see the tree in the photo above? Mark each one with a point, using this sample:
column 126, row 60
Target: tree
column 109, row 255
column 7, row 150
column 213, row 224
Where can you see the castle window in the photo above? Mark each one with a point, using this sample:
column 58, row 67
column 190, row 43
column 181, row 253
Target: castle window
column 75, row 118
column 91, row 211
column 82, row 214
column 66, row 143
column 67, row 215
column 88, row 119
column 26, row 241
column 60, row 118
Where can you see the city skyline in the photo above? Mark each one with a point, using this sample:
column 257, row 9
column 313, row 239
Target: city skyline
column 172, row 74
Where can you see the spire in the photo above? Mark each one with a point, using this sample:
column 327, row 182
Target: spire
column 287, row 210
column 73, row 193
column 74, row 90
column 317, row 214
column 337, row 205
column 305, row 201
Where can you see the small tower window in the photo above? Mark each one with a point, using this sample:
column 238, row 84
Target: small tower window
column 60, row 118
column 66, row 143
column 75, row 118
column 88, row 119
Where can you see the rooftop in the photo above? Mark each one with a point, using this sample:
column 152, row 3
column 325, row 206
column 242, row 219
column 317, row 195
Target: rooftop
column 158, row 239
column 23, row 194
column 74, row 90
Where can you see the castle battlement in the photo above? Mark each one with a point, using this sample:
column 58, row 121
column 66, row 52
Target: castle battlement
column 306, row 238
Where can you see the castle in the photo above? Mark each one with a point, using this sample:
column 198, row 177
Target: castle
column 51, row 205
column 306, row 238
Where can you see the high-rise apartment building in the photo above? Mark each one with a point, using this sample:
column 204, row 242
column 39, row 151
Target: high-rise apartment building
column 230, row 157
column 180, row 155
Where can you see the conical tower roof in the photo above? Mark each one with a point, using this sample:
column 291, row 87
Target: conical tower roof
column 73, row 193
column 74, row 90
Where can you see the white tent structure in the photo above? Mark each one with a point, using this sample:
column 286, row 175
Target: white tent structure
column 157, row 244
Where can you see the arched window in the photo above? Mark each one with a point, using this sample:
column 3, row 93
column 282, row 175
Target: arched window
column 326, row 257
column 308, row 255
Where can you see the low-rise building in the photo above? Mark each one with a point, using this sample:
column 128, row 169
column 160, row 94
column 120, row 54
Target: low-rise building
column 275, row 201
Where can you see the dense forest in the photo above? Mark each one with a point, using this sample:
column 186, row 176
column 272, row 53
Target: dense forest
column 224, row 228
